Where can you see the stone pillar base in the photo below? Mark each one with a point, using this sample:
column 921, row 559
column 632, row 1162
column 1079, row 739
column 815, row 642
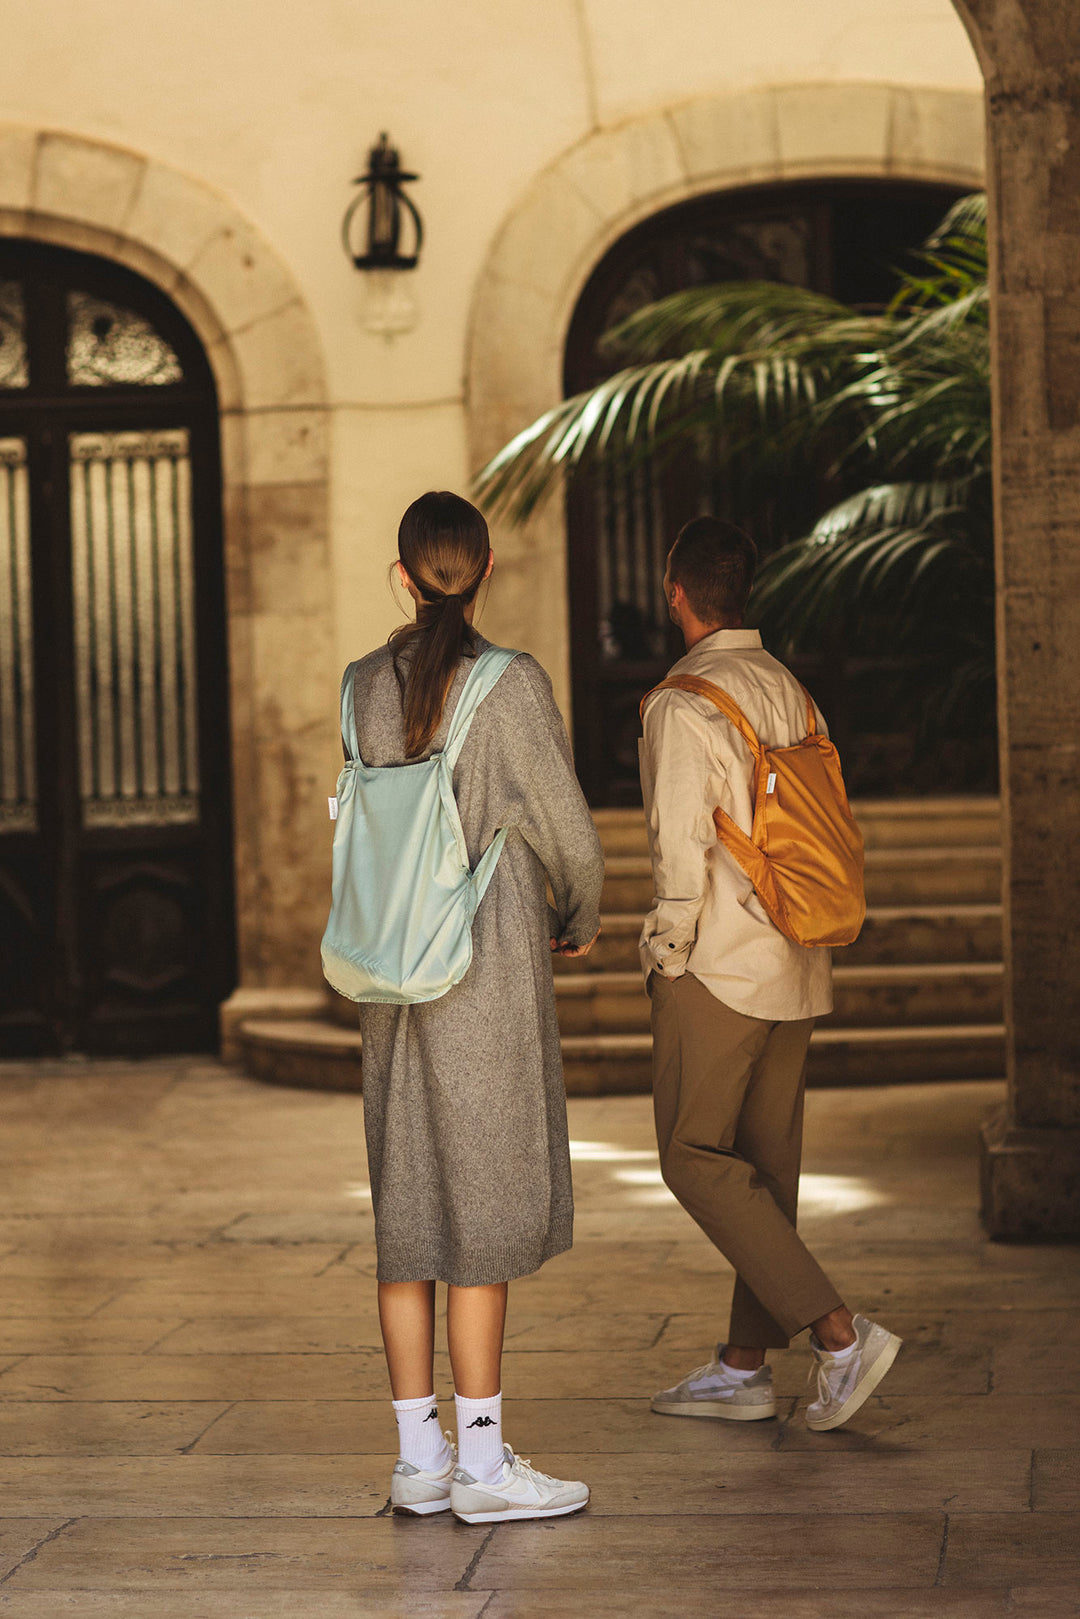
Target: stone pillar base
column 1030, row 1181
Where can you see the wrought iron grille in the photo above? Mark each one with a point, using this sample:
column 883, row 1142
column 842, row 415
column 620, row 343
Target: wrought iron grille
column 113, row 347
column 134, row 627
column 14, row 367
column 18, row 789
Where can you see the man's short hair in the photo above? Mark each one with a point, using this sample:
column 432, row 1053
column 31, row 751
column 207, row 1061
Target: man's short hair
column 714, row 562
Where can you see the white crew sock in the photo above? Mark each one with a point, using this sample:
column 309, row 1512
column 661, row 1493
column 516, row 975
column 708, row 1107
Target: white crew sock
column 421, row 1441
column 480, row 1440
column 843, row 1355
column 735, row 1374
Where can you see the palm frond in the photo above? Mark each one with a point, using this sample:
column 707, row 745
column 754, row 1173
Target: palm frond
column 732, row 318
column 966, row 220
column 891, row 506
column 879, row 570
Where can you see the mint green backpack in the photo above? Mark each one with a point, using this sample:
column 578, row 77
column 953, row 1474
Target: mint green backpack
column 403, row 897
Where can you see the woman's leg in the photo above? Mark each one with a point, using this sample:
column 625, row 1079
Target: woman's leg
column 475, row 1318
column 407, row 1319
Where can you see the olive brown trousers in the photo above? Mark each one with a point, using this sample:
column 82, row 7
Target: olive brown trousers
column 728, row 1099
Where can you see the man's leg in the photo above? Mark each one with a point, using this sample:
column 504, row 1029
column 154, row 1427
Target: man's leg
column 704, row 1055
column 769, row 1136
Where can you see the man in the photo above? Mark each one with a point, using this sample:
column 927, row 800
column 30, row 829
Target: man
column 733, row 1004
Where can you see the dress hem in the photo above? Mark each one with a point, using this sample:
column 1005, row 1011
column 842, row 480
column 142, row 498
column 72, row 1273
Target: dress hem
column 416, row 1263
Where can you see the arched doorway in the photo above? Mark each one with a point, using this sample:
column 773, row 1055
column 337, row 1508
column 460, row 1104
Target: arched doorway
column 839, row 237
column 116, row 893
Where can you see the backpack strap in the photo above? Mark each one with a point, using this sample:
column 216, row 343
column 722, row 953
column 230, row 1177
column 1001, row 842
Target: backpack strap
column 811, row 717
column 483, row 675
column 348, row 713
column 727, row 705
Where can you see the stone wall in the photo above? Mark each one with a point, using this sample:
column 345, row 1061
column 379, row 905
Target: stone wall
column 1030, row 51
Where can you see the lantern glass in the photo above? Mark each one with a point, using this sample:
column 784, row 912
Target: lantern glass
column 387, row 303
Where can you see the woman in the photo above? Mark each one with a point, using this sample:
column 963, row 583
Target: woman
column 464, row 1103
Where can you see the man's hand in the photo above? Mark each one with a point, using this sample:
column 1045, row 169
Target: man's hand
column 563, row 949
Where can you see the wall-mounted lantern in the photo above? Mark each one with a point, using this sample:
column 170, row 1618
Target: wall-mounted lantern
column 388, row 306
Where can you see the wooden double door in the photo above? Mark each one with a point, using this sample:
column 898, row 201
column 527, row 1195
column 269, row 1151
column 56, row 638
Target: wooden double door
column 116, row 910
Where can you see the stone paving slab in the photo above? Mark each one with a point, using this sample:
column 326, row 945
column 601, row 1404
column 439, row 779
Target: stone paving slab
column 1036, row 1603
column 250, row 1555
column 1002, row 1549
column 103, row 1428
column 231, row 1604
column 1055, row 1484
column 715, row 1554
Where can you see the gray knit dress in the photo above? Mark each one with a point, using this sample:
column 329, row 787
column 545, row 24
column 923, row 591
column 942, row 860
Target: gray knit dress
column 464, row 1102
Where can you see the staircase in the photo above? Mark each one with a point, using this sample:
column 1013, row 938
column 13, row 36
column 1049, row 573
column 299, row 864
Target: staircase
column 918, row 996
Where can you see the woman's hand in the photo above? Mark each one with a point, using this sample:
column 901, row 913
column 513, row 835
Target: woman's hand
column 563, row 949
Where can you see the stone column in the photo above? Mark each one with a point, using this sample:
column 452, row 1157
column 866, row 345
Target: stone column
column 1030, row 55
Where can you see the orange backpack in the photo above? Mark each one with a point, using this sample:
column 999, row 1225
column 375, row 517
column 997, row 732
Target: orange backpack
column 805, row 855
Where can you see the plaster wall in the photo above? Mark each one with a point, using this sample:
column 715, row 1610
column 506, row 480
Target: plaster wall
column 275, row 107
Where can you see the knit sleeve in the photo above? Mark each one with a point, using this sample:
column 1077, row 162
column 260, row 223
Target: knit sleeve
column 545, row 801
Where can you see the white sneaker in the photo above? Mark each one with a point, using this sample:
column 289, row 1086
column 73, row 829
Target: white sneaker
column 706, row 1393
column 522, row 1492
column 414, row 1492
column 845, row 1385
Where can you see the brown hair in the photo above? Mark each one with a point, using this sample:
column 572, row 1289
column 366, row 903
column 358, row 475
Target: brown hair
column 443, row 545
column 714, row 562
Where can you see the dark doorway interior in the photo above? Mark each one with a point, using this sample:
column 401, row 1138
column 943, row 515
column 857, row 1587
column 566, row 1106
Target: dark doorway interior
column 116, row 909
column 844, row 238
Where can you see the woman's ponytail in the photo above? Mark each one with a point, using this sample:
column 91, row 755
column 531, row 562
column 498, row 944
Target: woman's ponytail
column 443, row 546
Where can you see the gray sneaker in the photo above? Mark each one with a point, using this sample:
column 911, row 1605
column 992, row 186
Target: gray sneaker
column 415, row 1492
column 522, row 1491
column 844, row 1386
column 698, row 1395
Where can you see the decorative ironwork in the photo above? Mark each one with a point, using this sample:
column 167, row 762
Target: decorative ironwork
column 111, row 347
column 18, row 791
column 134, row 627
column 14, row 368
column 387, row 203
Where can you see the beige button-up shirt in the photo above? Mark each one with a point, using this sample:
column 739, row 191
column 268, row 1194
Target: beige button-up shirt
column 706, row 917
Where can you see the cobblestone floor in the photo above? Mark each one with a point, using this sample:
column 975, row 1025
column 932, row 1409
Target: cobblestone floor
column 193, row 1409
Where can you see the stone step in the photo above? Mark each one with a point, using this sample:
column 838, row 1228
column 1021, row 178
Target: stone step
column 903, row 822
column 320, row 1055
column 891, row 934
column 313, row 1053
column 865, row 997
column 620, row 1064
column 894, row 876
column 940, row 933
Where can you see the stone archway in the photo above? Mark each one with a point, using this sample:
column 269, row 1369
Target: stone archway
column 610, row 181
column 261, row 343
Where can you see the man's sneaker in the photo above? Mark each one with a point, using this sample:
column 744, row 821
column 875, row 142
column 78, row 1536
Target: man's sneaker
column 414, row 1493
column 706, row 1392
column 522, row 1492
column 844, row 1385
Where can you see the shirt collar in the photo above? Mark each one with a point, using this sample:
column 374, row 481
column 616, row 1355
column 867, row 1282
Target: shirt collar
column 724, row 641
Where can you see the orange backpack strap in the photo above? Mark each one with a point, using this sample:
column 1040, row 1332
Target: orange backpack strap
column 811, row 717
column 727, row 706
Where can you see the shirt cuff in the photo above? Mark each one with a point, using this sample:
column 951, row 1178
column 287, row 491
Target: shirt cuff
column 668, row 958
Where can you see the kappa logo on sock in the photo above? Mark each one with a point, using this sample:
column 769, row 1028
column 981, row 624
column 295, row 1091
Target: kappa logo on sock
column 481, row 1422
column 433, row 1414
